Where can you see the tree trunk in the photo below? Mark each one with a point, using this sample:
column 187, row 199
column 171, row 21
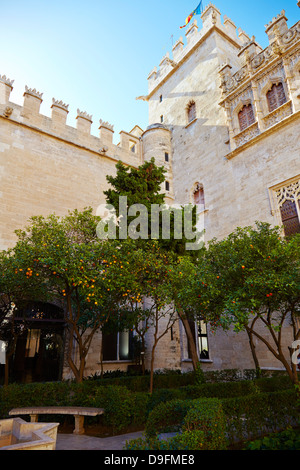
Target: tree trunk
column 254, row 355
column 190, row 338
column 152, row 367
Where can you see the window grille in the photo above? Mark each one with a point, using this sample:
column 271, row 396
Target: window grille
column 276, row 97
column 246, row 117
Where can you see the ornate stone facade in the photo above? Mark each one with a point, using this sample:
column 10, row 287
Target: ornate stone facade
column 244, row 163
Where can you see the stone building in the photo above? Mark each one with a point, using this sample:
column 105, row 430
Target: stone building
column 224, row 120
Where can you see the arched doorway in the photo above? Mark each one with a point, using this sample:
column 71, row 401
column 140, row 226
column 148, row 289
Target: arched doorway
column 39, row 349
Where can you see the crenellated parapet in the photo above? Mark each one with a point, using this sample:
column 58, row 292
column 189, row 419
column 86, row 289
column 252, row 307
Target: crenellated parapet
column 6, row 86
column 266, row 89
column 194, row 35
column 128, row 150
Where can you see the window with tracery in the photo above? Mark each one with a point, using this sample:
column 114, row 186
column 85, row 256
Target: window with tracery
column 191, row 111
column 246, row 116
column 276, row 97
column 288, row 199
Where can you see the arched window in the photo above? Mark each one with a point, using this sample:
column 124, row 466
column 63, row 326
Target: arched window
column 288, row 198
column 276, row 97
column 191, row 111
column 290, row 218
column 198, row 195
column 246, row 116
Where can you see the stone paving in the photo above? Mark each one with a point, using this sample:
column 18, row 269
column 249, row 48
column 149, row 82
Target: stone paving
column 84, row 442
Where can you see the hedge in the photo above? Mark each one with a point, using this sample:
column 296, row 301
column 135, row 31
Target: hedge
column 219, row 390
column 122, row 407
column 285, row 440
column 203, row 427
column 125, row 407
column 255, row 415
column 246, row 417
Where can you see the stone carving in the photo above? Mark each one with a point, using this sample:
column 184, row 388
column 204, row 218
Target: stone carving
column 106, row 124
column 103, row 149
column 33, row 92
column 288, row 193
column 6, row 80
column 278, row 114
column 60, row 104
column 246, row 135
column 7, row 112
column 84, row 115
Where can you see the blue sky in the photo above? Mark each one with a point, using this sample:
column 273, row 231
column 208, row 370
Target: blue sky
column 95, row 55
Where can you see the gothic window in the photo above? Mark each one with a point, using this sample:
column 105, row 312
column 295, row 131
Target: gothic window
column 246, row 116
column 276, row 97
column 191, row 111
column 290, row 218
column 198, row 195
column 288, row 199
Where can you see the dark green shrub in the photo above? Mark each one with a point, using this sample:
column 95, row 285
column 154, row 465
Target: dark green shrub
column 118, row 403
column 285, row 440
column 167, row 416
column 35, row 394
column 204, row 426
column 163, row 395
column 274, row 384
column 208, row 390
column 254, row 415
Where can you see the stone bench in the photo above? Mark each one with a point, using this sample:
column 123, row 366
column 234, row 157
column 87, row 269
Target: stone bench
column 77, row 411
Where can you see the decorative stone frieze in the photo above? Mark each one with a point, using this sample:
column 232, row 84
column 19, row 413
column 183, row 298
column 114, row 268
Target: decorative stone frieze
column 291, row 192
column 278, row 114
column 246, row 135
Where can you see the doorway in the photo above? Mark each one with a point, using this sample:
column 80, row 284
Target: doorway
column 39, row 350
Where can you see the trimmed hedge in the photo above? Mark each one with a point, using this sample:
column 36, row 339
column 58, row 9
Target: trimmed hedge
column 255, row 415
column 219, row 390
column 203, row 427
column 125, row 407
column 122, row 407
column 247, row 416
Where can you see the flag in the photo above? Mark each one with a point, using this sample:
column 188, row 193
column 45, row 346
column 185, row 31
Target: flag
column 197, row 11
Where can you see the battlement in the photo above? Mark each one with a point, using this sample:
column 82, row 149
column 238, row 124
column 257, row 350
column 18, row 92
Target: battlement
column 251, row 87
column 127, row 150
column 211, row 19
column 254, row 59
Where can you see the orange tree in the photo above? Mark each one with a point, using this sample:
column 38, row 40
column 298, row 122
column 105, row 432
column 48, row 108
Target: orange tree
column 143, row 186
column 250, row 281
column 141, row 276
column 65, row 255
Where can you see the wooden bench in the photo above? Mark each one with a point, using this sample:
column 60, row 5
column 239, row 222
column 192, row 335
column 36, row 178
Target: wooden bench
column 77, row 411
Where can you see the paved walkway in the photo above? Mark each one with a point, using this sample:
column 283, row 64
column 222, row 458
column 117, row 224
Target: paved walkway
column 76, row 442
